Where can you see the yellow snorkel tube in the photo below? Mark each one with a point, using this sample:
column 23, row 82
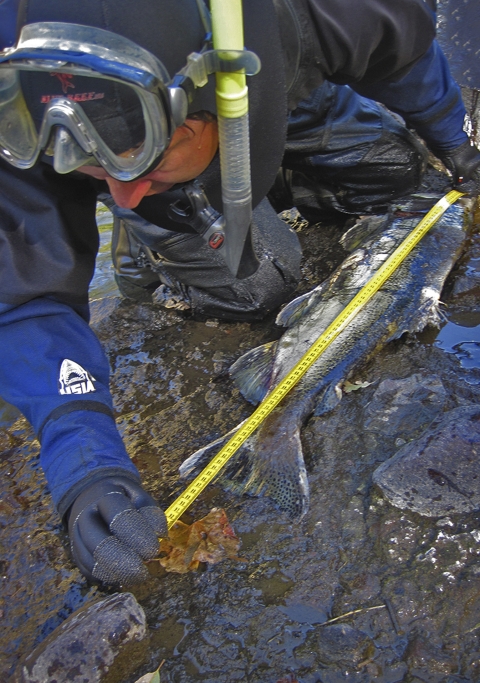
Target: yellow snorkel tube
column 234, row 140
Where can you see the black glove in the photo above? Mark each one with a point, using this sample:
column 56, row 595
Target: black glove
column 114, row 526
column 464, row 164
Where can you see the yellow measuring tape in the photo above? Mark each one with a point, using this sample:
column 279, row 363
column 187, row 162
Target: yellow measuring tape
column 181, row 504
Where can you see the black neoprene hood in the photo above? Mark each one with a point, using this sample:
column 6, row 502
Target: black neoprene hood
column 170, row 29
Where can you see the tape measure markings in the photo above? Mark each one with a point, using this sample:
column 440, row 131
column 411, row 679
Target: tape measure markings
column 246, row 429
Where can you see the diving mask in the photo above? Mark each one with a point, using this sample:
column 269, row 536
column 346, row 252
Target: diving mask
column 68, row 125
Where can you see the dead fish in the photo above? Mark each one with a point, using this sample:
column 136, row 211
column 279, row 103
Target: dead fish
column 270, row 462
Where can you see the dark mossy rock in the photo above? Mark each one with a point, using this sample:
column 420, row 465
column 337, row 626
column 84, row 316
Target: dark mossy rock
column 87, row 645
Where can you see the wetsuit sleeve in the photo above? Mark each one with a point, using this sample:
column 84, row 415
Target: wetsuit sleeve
column 428, row 99
column 52, row 366
column 386, row 51
column 370, row 40
column 54, row 370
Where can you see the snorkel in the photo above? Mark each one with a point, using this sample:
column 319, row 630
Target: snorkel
column 234, row 139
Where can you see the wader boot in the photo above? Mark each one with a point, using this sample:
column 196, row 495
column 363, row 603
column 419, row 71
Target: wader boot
column 183, row 272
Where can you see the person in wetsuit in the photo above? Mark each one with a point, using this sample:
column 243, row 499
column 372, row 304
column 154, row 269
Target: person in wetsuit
column 125, row 122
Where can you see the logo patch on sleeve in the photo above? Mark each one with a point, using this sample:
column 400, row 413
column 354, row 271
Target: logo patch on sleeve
column 74, row 379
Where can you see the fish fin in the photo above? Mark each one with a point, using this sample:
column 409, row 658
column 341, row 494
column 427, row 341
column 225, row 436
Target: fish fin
column 362, row 230
column 276, row 471
column 328, row 400
column 296, row 309
column 198, row 460
column 428, row 313
column 252, row 372
column 267, row 464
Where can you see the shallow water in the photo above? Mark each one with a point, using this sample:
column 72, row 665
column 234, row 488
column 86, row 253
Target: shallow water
column 461, row 340
column 103, row 284
column 460, row 333
column 358, row 591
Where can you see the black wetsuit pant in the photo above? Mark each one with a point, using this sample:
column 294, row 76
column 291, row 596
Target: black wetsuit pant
column 343, row 152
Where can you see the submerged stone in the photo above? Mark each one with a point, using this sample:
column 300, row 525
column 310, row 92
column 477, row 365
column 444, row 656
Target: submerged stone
column 343, row 645
column 304, row 614
column 84, row 648
column 438, row 473
column 405, row 405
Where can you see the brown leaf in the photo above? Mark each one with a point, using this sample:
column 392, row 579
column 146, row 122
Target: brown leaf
column 210, row 540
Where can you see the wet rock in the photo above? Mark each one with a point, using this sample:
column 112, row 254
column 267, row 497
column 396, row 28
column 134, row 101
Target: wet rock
column 466, row 284
column 438, row 473
column 362, row 587
column 102, row 309
column 343, row 645
column 405, row 405
column 304, row 614
column 85, row 647
column 422, row 654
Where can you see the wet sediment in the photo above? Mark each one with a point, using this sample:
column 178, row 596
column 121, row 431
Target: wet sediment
column 360, row 590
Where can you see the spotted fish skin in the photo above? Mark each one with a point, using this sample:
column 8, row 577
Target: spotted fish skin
column 270, row 462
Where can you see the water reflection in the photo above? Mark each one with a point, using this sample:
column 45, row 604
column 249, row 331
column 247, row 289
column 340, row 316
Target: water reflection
column 103, row 283
column 460, row 335
column 462, row 340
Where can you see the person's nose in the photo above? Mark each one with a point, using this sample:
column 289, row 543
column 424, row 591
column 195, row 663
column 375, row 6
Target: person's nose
column 128, row 195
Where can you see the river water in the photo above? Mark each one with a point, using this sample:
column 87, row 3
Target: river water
column 358, row 591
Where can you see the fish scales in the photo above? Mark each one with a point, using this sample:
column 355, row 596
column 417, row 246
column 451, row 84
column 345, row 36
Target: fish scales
column 270, row 462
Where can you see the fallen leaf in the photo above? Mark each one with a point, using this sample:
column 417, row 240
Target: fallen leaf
column 210, row 540
column 153, row 677
column 349, row 386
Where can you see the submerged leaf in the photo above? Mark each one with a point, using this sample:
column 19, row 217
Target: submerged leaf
column 210, row 540
column 348, row 386
column 153, row 677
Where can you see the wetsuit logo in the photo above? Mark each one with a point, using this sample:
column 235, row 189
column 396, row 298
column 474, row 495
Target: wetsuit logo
column 74, row 379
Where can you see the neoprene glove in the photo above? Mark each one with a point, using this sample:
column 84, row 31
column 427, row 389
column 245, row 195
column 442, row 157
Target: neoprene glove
column 464, row 164
column 114, row 526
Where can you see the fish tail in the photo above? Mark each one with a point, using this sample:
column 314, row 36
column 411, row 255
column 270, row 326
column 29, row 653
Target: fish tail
column 267, row 464
column 273, row 466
